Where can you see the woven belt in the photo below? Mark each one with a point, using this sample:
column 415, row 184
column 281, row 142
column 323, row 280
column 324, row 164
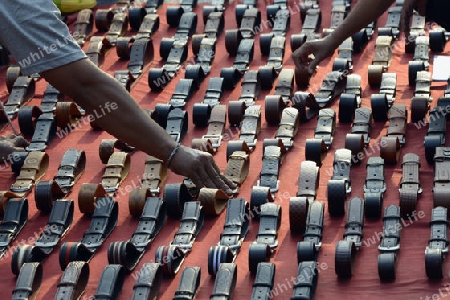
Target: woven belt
column 148, row 282
column 409, row 184
column 73, row 281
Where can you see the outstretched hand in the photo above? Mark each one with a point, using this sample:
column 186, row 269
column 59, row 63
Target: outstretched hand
column 201, row 168
column 311, row 53
column 10, row 144
column 407, row 12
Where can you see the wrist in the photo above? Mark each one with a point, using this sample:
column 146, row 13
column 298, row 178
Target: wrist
column 172, row 155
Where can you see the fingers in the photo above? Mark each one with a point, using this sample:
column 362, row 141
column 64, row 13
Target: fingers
column 220, row 181
column 406, row 15
column 19, row 141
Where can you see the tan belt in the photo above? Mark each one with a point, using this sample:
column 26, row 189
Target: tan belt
column 33, row 168
column 116, row 171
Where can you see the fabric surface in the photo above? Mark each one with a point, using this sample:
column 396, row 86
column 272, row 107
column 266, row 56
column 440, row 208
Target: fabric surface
column 411, row 281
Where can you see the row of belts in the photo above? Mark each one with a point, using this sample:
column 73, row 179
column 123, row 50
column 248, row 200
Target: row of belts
column 173, row 50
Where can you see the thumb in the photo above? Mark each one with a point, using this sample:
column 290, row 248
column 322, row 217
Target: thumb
column 313, row 65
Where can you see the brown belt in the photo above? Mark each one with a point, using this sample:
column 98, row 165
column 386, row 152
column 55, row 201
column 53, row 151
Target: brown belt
column 83, row 26
column 33, row 168
column 116, row 171
column 107, row 146
column 390, row 144
column 238, row 167
column 213, row 200
column 88, row 195
column 382, row 59
column 68, row 114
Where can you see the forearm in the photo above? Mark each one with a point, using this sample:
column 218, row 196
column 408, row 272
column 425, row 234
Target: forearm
column 364, row 12
column 123, row 118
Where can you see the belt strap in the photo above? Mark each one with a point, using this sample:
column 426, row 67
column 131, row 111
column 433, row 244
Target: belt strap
column 177, row 124
column 306, row 284
column 251, row 87
column 21, row 93
column 44, row 132
column 148, row 282
column 213, row 200
column 390, row 243
column 225, row 282
column 111, row 282
column 306, row 105
column 441, row 177
column 251, row 125
column 73, row 281
column 190, row 225
column 96, row 50
column 277, row 48
column 117, row 28
column 285, row 85
column 108, row 146
column 409, row 185
column 308, row 181
column 437, row 247
column 14, row 219
column 374, row 187
column 362, row 123
column 189, row 284
column 83, row 26
column 183, row 92
column 176, row 196
column 155, row 173
column 104, row 220
column 326, row 126
column 437, row 129
column 216, row 127
column 298, row 210
column 270, row 168
column 28, row 282
column 141, row 53
column 237, row 167
column 398, row 116
column 34, row 167
column 332, row 86
column 264, row 281
column 151, row 221
column 314, row 225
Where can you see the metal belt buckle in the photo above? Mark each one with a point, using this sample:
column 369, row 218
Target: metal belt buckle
column 22, row 189
column 389, row 249
column 45, row 244
column 36, row 147
column 348, row 187
column 235, row 191
column 273, row 246
column 111, row 189
column 251, row 145
column 288, row 143
column 184, row 247
column 216, row 140
column 11, row 112
column 154, row 191
column 176, row 136
column 272, row 190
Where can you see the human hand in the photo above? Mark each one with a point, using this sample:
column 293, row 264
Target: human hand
column 10, row 144
column 311, row 53
column 407, row 12
column 201, row 168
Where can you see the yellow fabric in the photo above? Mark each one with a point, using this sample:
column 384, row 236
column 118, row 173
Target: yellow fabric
column 71, row 6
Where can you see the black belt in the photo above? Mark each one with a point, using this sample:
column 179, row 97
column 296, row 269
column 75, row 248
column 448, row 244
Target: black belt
column 21, row 93
column 201, row 111
column 316, row 150
column 225, row 282
column 28, row 282
column 437, row 247
column 332, row 86
column 306, row 284
column 150, row 223
column 174, row 13
column 374, row 187
column 73, row 281
column 390, row 243
column 298, row 210
column 421, row 58
column 59, row 222
column 191, row 223
column 441, row 177
column 437, row 129
column 287, row 130
column 235, row 230
column 176, row 196
column 148, row 282
column 260, row 195
column 351, row 99
column 270, row 168
column 345, row 253
column 14, row 219
column 103, row 222
column 274, row 107
column 308, row 249
column 360, row 132
column 264, row 281
column 326, row 124
column 340, row 184
column 267, row 236
column 177, row 124
column 203, row 61
column 183, row 92
column 44, row 132
column 141, row 53
column 111, row 282
column 189, row 284
column 409, row 184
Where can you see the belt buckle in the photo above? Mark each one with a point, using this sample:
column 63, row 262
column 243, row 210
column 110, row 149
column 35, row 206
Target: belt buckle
column 252, row 144
column 45, row 244
column 21, row 190
column 272, row 190
column 176, row 136
column 184, row 247
column 111, row 189
column 389, row 249
column 235, row 191
column 215, row 137
column 154, row 191
column 318, row 246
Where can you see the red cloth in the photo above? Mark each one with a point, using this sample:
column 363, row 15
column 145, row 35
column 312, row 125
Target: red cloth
column 411, row 282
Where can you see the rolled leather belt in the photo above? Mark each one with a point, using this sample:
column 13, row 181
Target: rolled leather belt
column 148, row 282
column 28, row 283
column 111, row 282
column 437, row 247
column 73, row 281
column 340, row 184
column 409, row 184
column 14, row 219
column 308, row 249
column 374, row 187
column 264, row 281
column 189, row 284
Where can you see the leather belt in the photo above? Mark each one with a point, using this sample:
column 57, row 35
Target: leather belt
column 189, row 284
column 70, row 170
column 267, row 236
column 420, row 101
column 381, row 102
column 191, row 223
column 27, row 117
column 116, row 171
column 148, row 282
column 311, row 23
column 213, row 200
column 298, row 210
column 141, row 54
column 382, row 59
column 216, row 127
column 250, row 20
column 155, row 173
column 150, row 224
column 441, row 177
column 235, row 229
column 398, row 115
column 332, row 86
column 390, row 243
column 83, row 26
column 96, row 50
column 271, row 162
column 12, row 74
column 340, row 184
column 59, row 222
column 274, row 107
column 201, row 111
column 306, row 284
column 306, row 105
column 416, row 30
column 107, row 147
column 362, row 125
column 351, row 99
column 175, row 196
column 345, row 254
column 287, row 129
column 177, row 124
column 73, row 281
column 438, row 39
column 260, row 195
column 362, row 37
column 68, row 114
column 338, row 14
column 437, row 248
column 117, row 28
column 104, row 220
column 187, row 22
column 238, row 167
column 392, row 26
column 316, row 150
column 225, row 282
column 325, row 128
column 183, row 92
column 137, row 16
column 374, row 187
column 21, row 93
column 104, row 17
column 173, row 12
column 344, row 61
column 34, row 167
column 437, row 129
column 308, row 181
column 204, row 60
column 264, row 281
column 276, row 49
column 51, row 97
column 409, row 185
column 111, row 282
column 421, row 59
column 28, row 282
column 44, row 132
column 250, row 128
column 285, row 85
column 308, row 249
column 14, row 219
